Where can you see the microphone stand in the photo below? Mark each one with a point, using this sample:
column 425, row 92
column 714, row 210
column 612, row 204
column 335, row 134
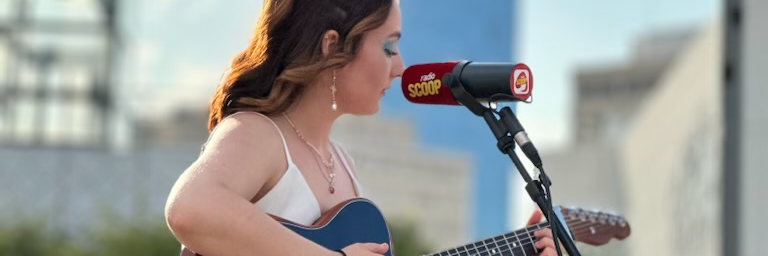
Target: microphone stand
column 538, row 190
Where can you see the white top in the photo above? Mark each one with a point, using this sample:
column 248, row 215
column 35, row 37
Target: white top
column 291, row 198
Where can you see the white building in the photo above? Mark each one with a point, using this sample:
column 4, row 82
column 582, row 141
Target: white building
column 671, row 157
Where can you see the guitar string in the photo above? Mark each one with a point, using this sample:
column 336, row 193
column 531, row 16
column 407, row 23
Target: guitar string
column 526, row 234
column 500, row 245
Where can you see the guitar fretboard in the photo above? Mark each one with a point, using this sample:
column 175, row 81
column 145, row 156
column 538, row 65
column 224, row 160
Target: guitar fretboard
column 516, row 243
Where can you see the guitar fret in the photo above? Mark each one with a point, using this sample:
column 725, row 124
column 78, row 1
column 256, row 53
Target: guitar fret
column 523, row 245
column 515, row 247
column 464, row 253
column 533, row 244
column 484, row 253
column 490, row 246
column 499, row 245
column 516, row 243
column 519, row 244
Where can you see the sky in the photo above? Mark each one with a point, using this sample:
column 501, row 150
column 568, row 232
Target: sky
column 557, row 37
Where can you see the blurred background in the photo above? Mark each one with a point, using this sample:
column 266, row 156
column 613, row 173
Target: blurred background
column 652, row 110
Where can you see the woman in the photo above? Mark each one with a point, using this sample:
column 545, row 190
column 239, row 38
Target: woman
column 309, row 62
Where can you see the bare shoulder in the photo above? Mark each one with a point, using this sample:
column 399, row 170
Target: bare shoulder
column 245, row 129
column 244, row 151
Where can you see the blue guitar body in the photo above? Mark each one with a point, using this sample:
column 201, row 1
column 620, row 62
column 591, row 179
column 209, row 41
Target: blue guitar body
column 354, row 221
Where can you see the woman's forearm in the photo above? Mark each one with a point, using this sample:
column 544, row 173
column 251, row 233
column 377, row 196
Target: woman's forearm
column 218, row 222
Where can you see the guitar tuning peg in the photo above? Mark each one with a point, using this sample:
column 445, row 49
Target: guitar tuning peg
column 592, row 216
column 574, row 212
column 602, row 218
column 612, row 220
column 583, row 215
column 622, row 222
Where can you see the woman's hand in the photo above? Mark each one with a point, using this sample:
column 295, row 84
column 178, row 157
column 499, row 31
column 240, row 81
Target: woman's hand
column 366, row 249
column 544, row 243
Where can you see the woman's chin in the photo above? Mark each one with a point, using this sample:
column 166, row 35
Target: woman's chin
column 367, row 111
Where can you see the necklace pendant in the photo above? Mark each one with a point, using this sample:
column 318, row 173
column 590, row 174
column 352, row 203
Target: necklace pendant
column 332, row 190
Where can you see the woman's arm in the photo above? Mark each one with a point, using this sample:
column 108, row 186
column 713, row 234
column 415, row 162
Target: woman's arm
column 209, row 208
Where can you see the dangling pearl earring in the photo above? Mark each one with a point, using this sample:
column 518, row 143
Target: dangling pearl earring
column 333, row 92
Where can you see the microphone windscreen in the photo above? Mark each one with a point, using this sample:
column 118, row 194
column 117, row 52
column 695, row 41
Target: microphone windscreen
column 422, row 83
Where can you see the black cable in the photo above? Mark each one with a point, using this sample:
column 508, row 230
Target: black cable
column 552, row 222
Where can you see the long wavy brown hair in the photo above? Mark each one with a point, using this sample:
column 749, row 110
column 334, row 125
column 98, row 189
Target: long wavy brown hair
column 285, row 54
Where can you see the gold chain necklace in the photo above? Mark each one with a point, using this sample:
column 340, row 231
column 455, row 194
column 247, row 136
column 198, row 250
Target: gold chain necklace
column 329, row 164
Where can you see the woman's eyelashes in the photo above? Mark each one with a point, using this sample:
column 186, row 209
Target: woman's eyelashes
column 389, row 49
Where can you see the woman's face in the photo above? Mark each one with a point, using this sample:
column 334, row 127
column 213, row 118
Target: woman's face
column 362, row 82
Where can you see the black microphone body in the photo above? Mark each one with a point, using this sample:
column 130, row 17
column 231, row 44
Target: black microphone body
column 485, row 79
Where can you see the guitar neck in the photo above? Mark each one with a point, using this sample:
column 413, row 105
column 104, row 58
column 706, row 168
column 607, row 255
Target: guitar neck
column 594, row 228
column 516, row 243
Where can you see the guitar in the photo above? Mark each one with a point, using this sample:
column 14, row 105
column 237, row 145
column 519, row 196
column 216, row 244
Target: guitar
column 360, row 221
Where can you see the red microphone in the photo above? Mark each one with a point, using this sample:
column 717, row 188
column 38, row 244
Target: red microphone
column 422, row 83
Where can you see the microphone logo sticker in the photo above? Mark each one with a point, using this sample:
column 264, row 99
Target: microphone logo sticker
column 427, row 77
column 521, row 81
column 428, row 86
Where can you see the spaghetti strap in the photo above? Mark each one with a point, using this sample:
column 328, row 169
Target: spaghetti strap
column 285, row 145
column 344, row 157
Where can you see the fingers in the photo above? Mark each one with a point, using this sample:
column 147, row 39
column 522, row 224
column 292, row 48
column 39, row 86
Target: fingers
column 544, row 239
column 545, row 242
column 548, row 252
column 535, row 218
column 544, row 232
column 376, row 248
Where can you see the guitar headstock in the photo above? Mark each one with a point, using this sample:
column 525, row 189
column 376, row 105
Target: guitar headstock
column 595, row 227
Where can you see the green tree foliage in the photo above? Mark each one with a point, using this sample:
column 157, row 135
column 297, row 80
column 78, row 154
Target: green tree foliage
column 137, row 237
column 406, row 239
column 31, row 238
